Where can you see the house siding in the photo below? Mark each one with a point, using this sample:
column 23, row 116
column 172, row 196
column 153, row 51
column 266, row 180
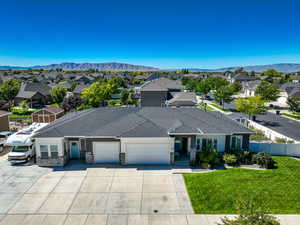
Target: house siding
column 153, row 98
column 4, row 123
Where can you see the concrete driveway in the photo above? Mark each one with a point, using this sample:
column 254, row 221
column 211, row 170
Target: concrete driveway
column 96, row 190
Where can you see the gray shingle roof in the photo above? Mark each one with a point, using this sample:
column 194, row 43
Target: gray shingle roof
column 141, row 122
column 27, row 90
column 242, row 77
column 161, row 84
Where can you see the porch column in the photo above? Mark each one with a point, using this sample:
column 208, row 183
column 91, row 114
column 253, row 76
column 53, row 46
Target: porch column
column 189, row 144
column 192, row 156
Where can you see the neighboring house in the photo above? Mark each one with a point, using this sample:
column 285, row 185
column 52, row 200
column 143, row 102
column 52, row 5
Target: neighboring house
column 157, row 92
column 296, row 79
column 42, row 79
column 4, row 121
column 34, row 94
column 135, row 135
column 78, row 89
column 249, row 87
column 288, row 90
column 182, row 99
column 241, row 77
column 84, row 79
column 47, row 114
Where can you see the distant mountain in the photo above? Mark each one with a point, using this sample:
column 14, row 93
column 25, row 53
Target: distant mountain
column 88, row 66
column 98, row 66
column 281, row 67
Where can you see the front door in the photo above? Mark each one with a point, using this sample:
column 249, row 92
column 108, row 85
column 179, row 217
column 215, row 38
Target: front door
column 74, row 150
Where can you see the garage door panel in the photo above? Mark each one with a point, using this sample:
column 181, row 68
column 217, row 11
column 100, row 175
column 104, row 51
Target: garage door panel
column 106, row 152
column 148, row 153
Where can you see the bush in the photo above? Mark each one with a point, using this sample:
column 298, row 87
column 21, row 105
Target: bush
column 243, row 156
column 230, row 159
column 264, row 160
column 250, row 216
column 208, row 157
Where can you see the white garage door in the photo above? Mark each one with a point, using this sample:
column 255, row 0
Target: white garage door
column 106, row 152
column 148, row 153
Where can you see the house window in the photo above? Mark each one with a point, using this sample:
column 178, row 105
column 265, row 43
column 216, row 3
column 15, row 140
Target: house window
column 198, row 141
column 54, row 151
column 44, row 151
column 236, row 142
column 209, row 143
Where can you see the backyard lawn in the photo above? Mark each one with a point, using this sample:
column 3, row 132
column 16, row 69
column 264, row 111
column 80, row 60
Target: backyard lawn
column 276, row 191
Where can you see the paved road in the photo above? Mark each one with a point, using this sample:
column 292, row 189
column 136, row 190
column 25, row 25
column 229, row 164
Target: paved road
column 285, row 126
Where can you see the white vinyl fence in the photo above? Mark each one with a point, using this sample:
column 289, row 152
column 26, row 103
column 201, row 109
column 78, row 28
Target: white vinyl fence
column 276, row 148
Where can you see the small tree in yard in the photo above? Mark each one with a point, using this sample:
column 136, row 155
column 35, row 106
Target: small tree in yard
column 267, row 91
column 251, row 106
column 124, row 96
column 9, row 90
column 24, row 106
column 58, row 93
column 223, row 94
column 250, row 215
column 294, row 104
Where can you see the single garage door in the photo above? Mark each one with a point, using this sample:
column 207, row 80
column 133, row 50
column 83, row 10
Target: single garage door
column 148, row 153
column 106, row 152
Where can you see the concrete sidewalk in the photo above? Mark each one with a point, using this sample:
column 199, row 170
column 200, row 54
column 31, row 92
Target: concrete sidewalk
column 84, row 219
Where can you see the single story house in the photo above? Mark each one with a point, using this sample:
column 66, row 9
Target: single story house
column 137, row 135
column 4, row 121
column 296, row 79
column 240, row 77
column 288, row 90
column 78, row 89
column 47, row 114
column 34, row 94
column 182, row 99
column 157, row 92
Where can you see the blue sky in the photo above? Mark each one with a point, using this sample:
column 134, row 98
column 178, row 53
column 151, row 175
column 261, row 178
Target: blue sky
column 164, row 33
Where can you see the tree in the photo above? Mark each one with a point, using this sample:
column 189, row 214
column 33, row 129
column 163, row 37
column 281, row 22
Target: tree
column 124, row 96
column 250, row 215
column 223, row 94
column 216, row 82
column 58, row 93
column 24, row 106
column 93, row 95
column 267, row 91
column 71, row 103
column 9, row 90
column 294, row 104
column 236, row 87
column 203, row 87
column 251, row 106
column 271, row 73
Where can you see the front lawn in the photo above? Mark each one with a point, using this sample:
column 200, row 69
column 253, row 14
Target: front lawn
column 277, row 191
column 219, row 107
column 293, row 116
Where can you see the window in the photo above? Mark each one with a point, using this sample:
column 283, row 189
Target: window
column 209, row 143
column 236, row 142
column 198, row 140
column 44, row 151
column 54, row 151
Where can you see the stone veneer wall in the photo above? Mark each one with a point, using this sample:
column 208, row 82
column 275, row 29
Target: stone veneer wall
column 60, row 161
column 89, row 157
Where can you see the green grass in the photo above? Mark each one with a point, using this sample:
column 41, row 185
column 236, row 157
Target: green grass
column 19, row 115
column 219, row 107
column 55, row 105
column 297, row 117
column 207, row 107
column 276, row 191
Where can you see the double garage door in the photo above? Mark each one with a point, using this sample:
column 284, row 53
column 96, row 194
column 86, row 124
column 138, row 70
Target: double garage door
column 135, row 153
column 148, row 153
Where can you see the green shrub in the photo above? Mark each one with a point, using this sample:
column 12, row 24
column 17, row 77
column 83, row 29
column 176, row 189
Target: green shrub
column 207, row 157
column 230, row 159
column 264, row 160
column 249, row 215
column 244, row 157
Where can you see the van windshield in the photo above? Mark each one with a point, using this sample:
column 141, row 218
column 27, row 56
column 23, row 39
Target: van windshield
column 20, row 149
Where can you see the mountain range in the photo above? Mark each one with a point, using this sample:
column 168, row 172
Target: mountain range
column 281, row 67
column 87, row 66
